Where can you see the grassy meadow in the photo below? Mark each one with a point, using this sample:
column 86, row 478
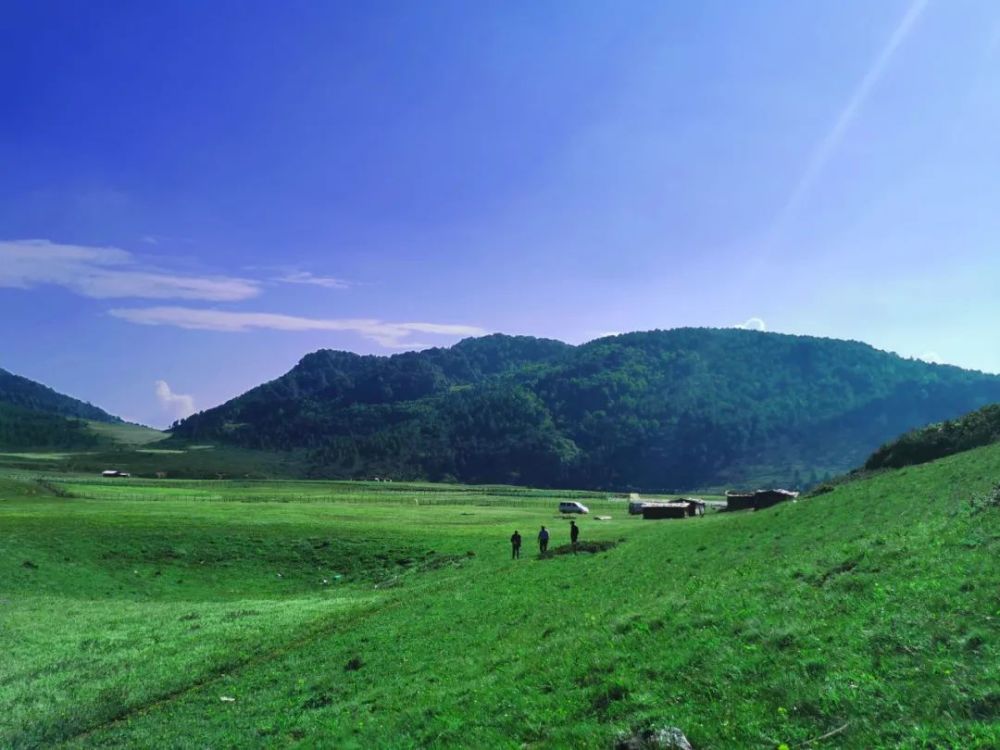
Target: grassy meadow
column 239, row 613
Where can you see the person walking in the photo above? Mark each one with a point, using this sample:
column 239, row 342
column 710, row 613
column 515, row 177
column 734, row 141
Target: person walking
column 515, row 546
column 574, row 534
column 543, row 540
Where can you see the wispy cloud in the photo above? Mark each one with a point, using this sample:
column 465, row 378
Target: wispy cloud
column 752, row 324
column 305, row 277
column 108, row 272
column 390, row 335
column 177, row 405
column 831, row 141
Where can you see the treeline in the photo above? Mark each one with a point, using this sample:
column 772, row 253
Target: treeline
column 27, row 394
column 658, row 410
column 981, row 427
column 23, row 429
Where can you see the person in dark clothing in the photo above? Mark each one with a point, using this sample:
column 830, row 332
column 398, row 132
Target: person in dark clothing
column 574, row 533
column 515, row 546
column 543, row 540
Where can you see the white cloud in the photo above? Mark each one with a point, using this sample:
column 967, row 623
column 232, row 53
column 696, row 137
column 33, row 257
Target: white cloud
column 390, row 335
column 305, row 277
column 752, row 324
column 932, row 358
column 108, row 272
column 177, row 405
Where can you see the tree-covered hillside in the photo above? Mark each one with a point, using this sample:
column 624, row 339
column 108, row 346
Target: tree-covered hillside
column 27, row 394
column 670, row 409
column 935, row 441
column 23, row 429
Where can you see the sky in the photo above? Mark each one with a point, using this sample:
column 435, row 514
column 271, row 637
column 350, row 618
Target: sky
column 195, row 195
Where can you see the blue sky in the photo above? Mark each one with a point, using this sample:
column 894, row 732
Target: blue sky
column 194, row 195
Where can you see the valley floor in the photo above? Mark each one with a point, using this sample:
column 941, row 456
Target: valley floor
column 172, row 614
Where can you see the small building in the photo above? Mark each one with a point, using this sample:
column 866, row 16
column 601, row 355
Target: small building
column 767, row 498
column 696, row 506
column 758, row 499
column 109, row 473
column 655, row 511
column 739, row 500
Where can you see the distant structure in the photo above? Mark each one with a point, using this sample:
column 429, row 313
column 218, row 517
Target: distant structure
column 682, row 507
column 758, row 499
column 696, row 506
column 655, row 511
column 109, row 473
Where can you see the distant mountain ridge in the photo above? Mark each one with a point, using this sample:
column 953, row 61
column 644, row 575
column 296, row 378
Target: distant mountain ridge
column 674, row 409
column 27, row 394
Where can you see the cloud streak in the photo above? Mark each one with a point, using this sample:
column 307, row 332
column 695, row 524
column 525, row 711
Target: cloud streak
column 177, row 405
column 305, row 277
column 389, row 335
column 831, row 141
column 108, row 273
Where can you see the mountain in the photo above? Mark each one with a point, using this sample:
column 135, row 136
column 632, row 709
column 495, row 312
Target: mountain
column 23, row 429
column 27, row 394
column 676, row 409
column 935, row 441
column 33, row 416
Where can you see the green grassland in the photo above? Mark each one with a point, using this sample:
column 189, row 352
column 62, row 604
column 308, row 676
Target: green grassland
column 126, row 433
column 151, row 459
column 238, row 613
column 143, row 451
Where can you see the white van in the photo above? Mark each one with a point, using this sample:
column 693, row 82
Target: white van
column 572, row 507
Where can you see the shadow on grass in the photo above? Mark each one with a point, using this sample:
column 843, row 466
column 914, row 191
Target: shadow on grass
column 590, row 548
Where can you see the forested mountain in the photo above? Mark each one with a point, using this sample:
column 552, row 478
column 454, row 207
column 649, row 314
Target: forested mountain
column 675, row 409
column 935, row 441
column 23, row 429
column 27, row 394
column 35, row 416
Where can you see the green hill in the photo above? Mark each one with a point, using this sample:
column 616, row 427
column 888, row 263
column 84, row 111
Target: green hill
column 674, row 409
column 24, row 429
column 935, row 441
column 325, row 614
column 27, row 394
column 34, row 418
column 127, row 434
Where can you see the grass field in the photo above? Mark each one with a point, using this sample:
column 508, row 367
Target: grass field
column 127, row 433
column 140, row 452
column 171, row 613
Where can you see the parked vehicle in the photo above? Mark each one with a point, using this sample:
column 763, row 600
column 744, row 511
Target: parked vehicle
column 569, row 506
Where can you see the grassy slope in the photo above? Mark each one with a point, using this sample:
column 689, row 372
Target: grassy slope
column 150, row 458
column 127, row 433
column 138, row 450
column 874, row 606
